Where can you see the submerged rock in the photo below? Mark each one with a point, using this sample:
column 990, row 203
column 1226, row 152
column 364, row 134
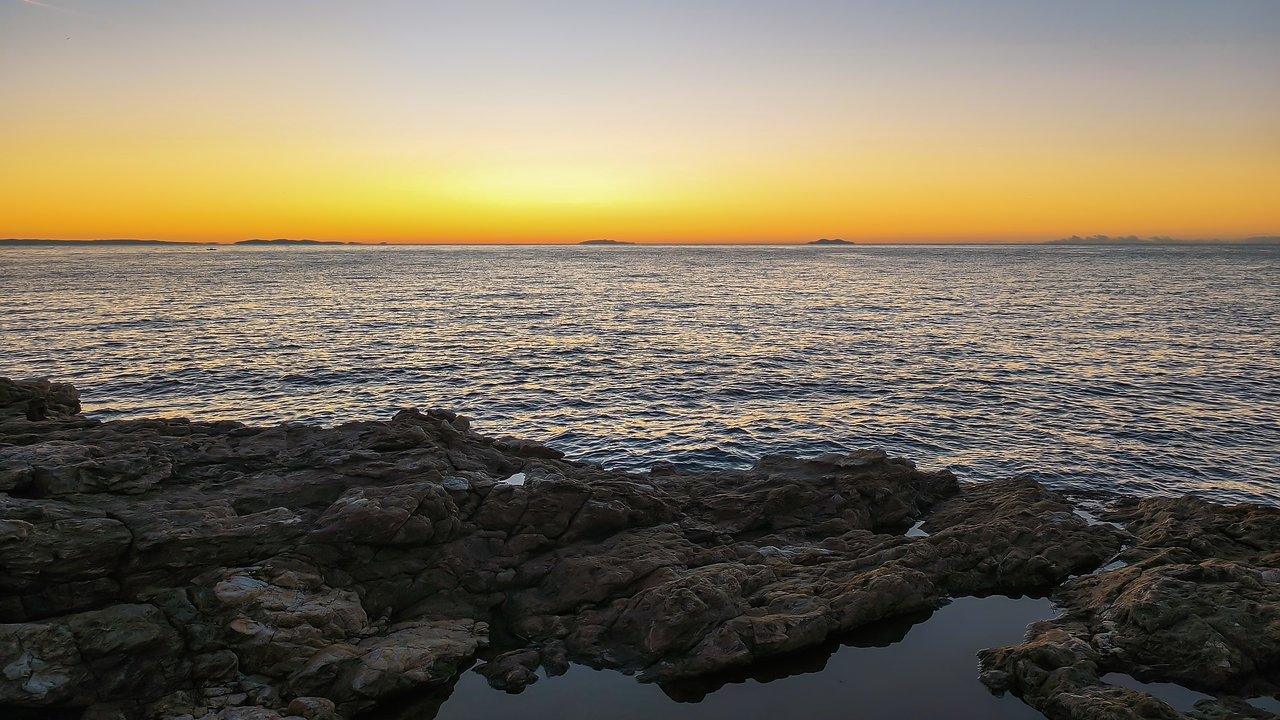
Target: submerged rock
column 162, row 568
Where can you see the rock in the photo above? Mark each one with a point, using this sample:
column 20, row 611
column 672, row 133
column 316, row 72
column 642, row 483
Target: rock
column 410, row 656
column 1189, row 607
column 175, row 568
column 313, row 708
column 274, row 629
column 555, row 659
column 59, row 468
column 37, row 409
column 17, row 398
column 56, row 558
column 43, row 667
column 527, row 448
column 221, row 665
column 120, row 652
column 248, row 713
column 512, row 671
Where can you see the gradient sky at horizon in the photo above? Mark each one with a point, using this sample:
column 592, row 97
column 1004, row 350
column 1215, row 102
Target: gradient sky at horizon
column 654, row 122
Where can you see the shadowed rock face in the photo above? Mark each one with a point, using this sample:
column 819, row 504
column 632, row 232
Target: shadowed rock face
column 162, row 568
column 58, row 398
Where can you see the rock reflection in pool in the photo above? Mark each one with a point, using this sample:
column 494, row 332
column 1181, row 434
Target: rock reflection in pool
column 904, row 668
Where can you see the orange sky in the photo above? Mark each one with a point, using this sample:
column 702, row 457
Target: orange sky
column 732, row 122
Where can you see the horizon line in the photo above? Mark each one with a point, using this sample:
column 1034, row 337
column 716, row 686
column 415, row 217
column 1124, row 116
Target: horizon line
column 603, row 242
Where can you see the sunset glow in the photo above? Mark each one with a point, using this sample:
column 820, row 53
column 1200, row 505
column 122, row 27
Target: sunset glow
column 649, row 122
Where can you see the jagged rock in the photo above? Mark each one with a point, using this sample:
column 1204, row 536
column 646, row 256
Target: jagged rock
column 59, row 467
column 414, row 655
column 1173, row 612
column 275, row 625
column 119, row 652
column 43, row 667
column 169, row 568
column 55, row 398
column 56, row 558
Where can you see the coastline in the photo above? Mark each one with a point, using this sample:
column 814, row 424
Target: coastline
column 171, row 567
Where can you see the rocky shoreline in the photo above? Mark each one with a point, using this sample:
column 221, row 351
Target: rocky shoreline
column 175, row 568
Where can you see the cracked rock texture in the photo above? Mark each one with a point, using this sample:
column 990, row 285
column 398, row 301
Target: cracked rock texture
column 175, row 568
column 1194, row 599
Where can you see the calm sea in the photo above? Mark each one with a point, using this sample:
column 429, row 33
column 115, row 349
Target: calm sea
column 1137, row 370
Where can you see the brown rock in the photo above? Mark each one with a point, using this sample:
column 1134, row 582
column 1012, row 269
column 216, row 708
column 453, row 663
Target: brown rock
column 160, row 568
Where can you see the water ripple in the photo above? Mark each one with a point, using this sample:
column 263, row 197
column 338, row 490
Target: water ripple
column 1135, row 370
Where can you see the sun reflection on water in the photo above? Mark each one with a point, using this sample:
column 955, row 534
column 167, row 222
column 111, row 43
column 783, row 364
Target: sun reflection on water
column 1141, row 370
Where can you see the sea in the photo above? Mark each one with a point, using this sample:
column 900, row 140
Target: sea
column 1099, row 371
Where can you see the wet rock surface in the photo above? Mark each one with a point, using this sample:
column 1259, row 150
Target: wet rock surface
column 175, row 568
column 1193, row 599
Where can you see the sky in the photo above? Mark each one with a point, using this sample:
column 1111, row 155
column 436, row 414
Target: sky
column 657, row 121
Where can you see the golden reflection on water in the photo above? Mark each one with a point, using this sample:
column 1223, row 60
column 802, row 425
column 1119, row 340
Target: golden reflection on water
column 1143, row 370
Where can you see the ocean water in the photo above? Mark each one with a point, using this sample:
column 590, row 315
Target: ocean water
column 1132, row 370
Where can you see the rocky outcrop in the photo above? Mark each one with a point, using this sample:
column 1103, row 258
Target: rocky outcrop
column 1193, row 600
column 169, row 568
column 37, row 399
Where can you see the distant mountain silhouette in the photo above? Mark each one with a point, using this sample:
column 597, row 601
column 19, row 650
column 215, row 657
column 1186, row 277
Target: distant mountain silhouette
column 1107, row 240
column 605, row 242
column 831, row 241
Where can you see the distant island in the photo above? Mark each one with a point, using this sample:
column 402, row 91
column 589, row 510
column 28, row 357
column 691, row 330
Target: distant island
column 605, row 242
column 1129, row 240
column 830, row 241
column 287, row 241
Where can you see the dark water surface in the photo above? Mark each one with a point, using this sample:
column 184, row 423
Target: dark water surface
column 894, row 671
column 1139, row 370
